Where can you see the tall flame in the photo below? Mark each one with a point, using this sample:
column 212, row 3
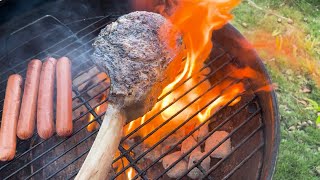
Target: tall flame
column 196, row 20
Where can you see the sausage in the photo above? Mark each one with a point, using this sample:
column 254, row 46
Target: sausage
column 64, row 97
column 27, row 117
column 10, row 115
column 45, row 124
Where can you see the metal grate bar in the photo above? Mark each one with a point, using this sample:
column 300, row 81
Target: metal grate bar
column 208, row 76
column 168, row 120
column 213, row 86
column 197, row 128
column 134, row 165
column 74, row 174
column 233, row 150
column 89, row 78
column 172, row 132
column 64, row 153
column 87, row 105
column 34, row 37
column 6, row 55
column 85, row 71
column 90, row 88
column 203, row 171
column 81, row 116
column 221, row 142
column 75, row 68
column 204, row 67
column 121, row 149
column 178, row 112
column 84, row 102
column 76, row 159
column 243, row 161
column 63, row 40
column 86, row 19
column 56, row 145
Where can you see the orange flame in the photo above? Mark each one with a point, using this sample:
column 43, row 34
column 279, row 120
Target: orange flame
column 120, row 164
column 98, row 110
column 196, row 20
column 94, row 125
column 101, row 81
column 130, row 173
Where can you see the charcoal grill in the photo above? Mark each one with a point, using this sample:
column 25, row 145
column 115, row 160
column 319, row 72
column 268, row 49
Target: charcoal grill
column 69, row 30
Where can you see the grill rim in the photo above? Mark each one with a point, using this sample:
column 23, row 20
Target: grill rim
column 238, row 46
column 276, row 126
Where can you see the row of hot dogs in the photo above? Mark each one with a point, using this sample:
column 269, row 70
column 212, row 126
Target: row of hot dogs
column 20, row 116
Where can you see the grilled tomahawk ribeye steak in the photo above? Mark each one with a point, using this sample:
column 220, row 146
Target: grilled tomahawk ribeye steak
column 135, row 50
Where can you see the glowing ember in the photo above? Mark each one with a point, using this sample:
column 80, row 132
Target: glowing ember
column 100, row 81
column 94, row 125
column 98, row 110
column 238, row 99
column 130, row 173
column 120, row 164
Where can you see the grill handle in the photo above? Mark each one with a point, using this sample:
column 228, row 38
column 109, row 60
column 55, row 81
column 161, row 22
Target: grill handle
column 100, row 157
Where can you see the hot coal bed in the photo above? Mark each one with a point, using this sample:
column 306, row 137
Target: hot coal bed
column 67, row 28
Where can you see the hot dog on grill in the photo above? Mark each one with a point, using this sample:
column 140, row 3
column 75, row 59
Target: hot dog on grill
column 27, row 117
column 10, row 115
column 45, row 125
column 64, row 97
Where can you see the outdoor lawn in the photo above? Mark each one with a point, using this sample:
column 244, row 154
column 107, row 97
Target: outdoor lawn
column 286, row 34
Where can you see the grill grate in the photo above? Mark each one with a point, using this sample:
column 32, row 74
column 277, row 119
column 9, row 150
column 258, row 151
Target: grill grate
column 62, row 157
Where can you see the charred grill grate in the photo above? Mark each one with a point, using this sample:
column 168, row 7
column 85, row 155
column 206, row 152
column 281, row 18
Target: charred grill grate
column 62, row 157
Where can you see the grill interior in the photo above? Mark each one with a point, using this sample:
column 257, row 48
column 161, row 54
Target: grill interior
column 61, row 158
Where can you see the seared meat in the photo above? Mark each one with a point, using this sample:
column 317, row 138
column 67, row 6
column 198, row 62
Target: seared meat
column 135, row 50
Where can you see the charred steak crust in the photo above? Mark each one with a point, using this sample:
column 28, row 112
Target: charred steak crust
column 135, row 52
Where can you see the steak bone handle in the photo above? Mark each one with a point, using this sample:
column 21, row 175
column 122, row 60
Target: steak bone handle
column 100, row 157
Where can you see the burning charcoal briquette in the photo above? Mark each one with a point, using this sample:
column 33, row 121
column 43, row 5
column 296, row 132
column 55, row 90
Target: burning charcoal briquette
column 214, row 140
column 195, row 156
column 189, row 143
column 179, row 169
column 203, row 131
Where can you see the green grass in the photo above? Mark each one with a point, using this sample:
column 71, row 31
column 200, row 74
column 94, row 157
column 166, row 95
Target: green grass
column 299, row 150
column 296, row 160
column 297, row 10
column 299, row 154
